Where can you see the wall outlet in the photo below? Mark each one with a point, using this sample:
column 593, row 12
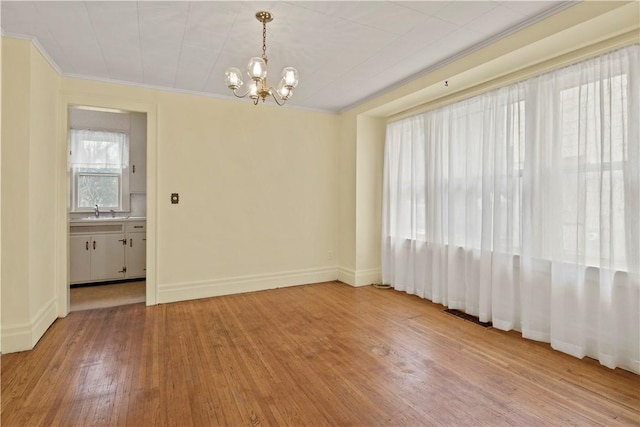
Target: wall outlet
column 330, row 256
column 175, row 198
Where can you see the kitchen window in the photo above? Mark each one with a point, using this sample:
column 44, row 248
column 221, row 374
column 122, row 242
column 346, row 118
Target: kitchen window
column 99, row 162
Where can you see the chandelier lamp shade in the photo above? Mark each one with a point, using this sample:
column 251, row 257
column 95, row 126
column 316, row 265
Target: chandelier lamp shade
column 257, row 71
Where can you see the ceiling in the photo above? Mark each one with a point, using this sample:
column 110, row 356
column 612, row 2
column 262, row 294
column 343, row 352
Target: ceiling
column 345, row 51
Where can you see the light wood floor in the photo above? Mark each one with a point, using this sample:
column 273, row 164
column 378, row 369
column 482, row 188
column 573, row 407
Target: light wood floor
column 102, row 296
column 315, row 355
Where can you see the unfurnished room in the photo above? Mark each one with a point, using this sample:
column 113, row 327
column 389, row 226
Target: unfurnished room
column 320, row 213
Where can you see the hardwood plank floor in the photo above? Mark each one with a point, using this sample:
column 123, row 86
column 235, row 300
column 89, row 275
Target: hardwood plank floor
column 314, row 355
column 111, row 295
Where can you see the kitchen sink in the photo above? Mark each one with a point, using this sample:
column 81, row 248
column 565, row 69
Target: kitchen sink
column 104, row 218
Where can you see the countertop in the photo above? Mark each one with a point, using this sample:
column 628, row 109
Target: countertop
column 106, row 218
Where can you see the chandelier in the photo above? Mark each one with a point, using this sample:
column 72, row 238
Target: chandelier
column 257, row 71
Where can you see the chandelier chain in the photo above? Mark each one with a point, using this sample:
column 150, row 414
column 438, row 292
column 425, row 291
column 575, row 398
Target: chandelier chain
column 264, row 40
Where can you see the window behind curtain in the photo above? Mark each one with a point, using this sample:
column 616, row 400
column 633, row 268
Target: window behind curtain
column 98, row 160
column 440, row 186
column 452, row 153
column 594, row 133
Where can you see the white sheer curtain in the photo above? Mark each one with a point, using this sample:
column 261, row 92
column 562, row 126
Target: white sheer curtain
column 522, row 206
column 92, row 149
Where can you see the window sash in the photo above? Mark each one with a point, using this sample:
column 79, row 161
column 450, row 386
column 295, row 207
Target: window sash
column 102, row 203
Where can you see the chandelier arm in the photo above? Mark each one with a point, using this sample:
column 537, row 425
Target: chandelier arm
column 280, row 101
column 241, row 96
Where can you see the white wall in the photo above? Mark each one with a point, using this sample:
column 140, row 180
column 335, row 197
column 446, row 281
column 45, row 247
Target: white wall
column 0, row 194
column 347, row 199
column 257, row 188
column 109, row 121
column 29, row 263
column 360, row 198
column 369, row 166
column 15, row 227
column 42, row 173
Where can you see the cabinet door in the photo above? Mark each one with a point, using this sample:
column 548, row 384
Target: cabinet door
column 136, row 255
column 80, row 259
column 107, row 257
column 138, row 153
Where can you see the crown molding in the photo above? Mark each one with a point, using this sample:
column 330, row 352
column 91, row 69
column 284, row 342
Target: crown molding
column 183, row 91
column 55, row 66
column 36, row 43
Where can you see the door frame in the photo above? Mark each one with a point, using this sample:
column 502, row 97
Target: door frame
column 73, row 99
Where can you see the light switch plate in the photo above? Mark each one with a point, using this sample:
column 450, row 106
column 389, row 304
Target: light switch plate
column 175, row 198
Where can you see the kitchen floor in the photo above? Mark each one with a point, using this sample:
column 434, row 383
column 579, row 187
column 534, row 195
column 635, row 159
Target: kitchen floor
column 90, row 297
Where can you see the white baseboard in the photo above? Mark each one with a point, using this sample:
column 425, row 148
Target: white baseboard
column 43, row 319
column 16, row 337
column 346, row 275
column 368, row 277
column 239, row 284
column 359, row 277
column 24, row 336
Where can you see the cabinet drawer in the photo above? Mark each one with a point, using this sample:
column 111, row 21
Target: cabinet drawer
column 117, row 227
column 136, row 227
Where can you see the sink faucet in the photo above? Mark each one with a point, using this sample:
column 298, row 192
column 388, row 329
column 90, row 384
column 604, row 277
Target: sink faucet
column 96, row 211
column 113, row 213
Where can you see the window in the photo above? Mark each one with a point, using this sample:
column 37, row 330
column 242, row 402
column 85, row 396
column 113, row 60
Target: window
column 102, row 189
column 98, row 164
column 453, row 168
column 532, row 201
column 459, row 171
column 595, row 152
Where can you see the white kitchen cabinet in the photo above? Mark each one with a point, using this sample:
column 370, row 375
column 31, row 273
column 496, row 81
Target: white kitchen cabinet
column 136, row 252
column 138, row 153
column 107, row 250
column 107, row 258
column 96, row 258
column 80, row 256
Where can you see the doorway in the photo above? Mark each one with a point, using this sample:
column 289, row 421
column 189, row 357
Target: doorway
column 106, row 187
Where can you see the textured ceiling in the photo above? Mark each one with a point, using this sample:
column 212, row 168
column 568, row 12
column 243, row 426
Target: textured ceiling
column 345, row 51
